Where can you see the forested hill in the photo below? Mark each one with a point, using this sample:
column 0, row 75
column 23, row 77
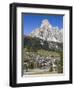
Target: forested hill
column 34, row 44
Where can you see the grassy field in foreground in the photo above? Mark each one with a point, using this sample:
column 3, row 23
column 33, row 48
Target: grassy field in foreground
column 42, row 52
column 47, row 53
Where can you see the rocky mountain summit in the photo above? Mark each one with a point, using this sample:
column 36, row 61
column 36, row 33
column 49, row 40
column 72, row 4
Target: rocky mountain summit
column 47, row 32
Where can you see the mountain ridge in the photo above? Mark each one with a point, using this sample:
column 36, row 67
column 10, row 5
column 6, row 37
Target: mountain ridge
column 47, row 32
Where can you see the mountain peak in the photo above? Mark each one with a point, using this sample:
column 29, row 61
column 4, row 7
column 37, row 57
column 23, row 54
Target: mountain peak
column 45, row 23
column 47, row 32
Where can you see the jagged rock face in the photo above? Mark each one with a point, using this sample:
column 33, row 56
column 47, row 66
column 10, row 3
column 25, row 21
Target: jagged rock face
column 48, row 32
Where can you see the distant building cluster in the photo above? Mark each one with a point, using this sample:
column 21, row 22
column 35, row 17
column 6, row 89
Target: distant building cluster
column 40, row 62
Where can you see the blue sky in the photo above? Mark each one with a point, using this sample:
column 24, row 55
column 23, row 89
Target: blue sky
column 32, row 21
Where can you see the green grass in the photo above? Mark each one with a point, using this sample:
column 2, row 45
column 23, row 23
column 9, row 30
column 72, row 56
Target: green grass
column 47, row 53
column 43, row 52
